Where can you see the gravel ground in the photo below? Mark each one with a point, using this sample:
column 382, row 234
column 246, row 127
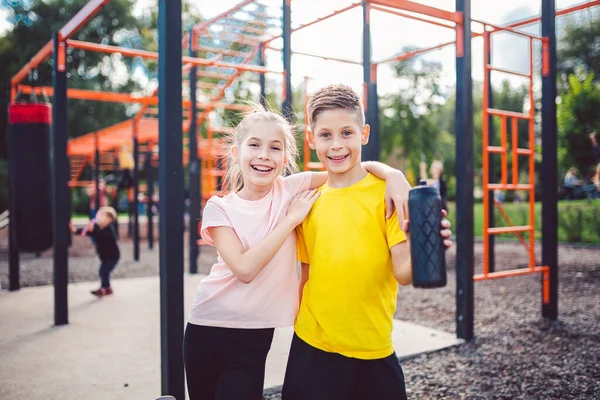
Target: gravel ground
column 515, row 353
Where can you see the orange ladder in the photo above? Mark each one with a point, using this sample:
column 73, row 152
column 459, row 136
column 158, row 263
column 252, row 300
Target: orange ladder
column 513, row 118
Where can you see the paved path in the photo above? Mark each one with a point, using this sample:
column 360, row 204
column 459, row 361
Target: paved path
column 111, row 347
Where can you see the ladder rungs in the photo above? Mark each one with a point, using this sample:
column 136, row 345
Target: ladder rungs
column 523, row 186
column 496, row 149
column 509, row 273
column 509, row 229
column 524, row 152
column 512, row 114
column 508, row 71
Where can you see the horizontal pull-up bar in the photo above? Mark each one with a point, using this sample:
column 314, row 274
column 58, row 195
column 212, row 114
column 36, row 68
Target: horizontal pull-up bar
column 104, row 48
column 333, row 14
column 499, row 28
column 83, row 94
column 404, row 15
column 406, row 5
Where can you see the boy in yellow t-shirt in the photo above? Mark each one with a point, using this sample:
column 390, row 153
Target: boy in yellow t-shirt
column 342, row 347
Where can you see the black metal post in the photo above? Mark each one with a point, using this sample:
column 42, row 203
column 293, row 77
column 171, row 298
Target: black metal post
column 97, row 171
column 464, row 179
column 549, row 161
column 170, row 173
column 261, row 77
column 370, row 152
column 194, row 167
column 14, row 280
column 286, row 53
column 136, row 192
column 373, row 145
column 150, row 190
column 491, row 177
column 60, row 189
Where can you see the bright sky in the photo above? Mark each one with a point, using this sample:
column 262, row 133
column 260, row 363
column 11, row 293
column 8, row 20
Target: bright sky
column 341, row 37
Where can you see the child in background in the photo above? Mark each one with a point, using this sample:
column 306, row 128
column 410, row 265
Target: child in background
column 353, row 259
column 253, row 286
column 102, row 230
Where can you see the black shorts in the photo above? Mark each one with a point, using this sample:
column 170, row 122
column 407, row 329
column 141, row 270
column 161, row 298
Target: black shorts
column 225, row 363
column 313, row 374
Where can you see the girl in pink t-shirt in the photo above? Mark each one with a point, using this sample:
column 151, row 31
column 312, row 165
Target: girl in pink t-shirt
column 253, row 286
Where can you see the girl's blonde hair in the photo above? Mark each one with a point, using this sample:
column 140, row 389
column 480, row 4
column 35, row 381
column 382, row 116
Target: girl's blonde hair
column 234, row 139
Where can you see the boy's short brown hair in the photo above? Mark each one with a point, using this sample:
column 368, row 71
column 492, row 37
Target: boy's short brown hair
column 108, row 211
column 335, row 97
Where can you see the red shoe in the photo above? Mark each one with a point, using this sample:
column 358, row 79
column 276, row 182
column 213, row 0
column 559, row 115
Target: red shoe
column 108, row 290
column 99, row 293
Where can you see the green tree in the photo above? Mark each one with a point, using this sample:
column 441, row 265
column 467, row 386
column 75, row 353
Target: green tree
column 578, row 46
column 33, row 25
column 577, row 117
column 407, row 126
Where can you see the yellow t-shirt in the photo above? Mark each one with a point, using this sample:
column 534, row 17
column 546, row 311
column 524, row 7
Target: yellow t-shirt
column 349, row 299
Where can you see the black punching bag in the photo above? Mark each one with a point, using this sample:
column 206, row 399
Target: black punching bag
column 29, row 158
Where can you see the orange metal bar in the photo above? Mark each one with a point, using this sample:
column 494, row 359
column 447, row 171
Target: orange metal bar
column 152, row 55
column 564, row 11
column 508, row 71
column 510, row 273
column 82, row 17
column 108, row 49
column 511, row 223
column 418, row 8
column 302, row 26
column 524, row 152
column 515, row 156
column 36, row 60
column 504, row 145
column 485, row 158
column 500, row 186
column 404, row 15
column 510, row 114
column 532, row 169
column 495, row 149
column 545, row 57
column 460, row 44
column 498, row 28
column 83, row 94
column 409, row 54
column 62, row 57
column 509, row 229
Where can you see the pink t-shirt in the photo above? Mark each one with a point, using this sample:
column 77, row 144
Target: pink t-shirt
column 271, row 299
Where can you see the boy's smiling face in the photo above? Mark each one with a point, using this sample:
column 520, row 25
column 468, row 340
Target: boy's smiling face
column 337, row 138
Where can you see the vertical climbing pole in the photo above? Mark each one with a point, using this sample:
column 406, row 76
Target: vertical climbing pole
column 170, row 174
column 286, row 53
column 194, row 163
column 464, row 175
column 60, row 177
column 549, row 158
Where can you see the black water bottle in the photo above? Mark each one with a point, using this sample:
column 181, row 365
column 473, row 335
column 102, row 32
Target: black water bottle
column 426, row 243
